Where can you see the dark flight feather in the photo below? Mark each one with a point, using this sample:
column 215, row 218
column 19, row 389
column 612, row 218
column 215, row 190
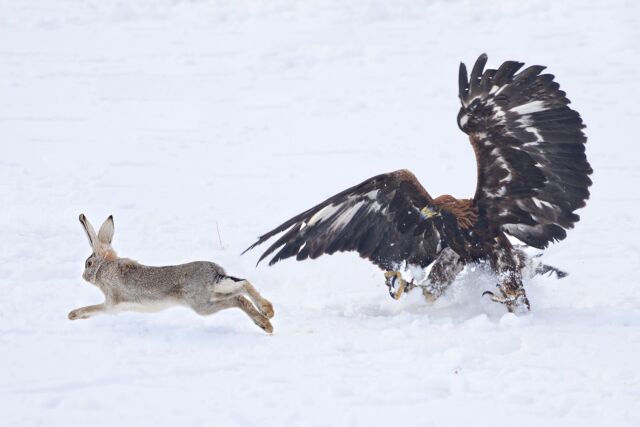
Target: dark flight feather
column 532, row 170
column 379, row 218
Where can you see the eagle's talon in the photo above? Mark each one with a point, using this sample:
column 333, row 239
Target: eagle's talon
column 396, row 284
column 518, row 302
column 489, row 293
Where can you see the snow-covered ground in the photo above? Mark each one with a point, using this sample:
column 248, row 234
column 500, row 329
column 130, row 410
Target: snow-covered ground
column 201, row 124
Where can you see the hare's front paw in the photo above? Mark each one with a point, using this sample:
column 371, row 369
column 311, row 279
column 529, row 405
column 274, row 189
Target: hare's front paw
column 77, row 314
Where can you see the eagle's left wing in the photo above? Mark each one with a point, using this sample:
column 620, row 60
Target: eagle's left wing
column 382, row 219
column 532, row 170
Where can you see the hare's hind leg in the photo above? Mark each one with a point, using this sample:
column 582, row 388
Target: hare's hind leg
column 236, row 301
column 258, row 318
column 244, row 287
column 262, row 303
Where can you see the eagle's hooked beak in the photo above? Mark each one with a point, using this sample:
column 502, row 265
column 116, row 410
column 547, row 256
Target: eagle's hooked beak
column 427, row 212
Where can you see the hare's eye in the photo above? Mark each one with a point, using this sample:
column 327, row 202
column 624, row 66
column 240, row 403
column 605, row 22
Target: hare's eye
column 88, row 264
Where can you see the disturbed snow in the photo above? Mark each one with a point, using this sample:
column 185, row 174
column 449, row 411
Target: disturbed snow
column 200, row 125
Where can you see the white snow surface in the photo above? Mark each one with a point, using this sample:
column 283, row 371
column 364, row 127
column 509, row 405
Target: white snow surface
column 202, row 124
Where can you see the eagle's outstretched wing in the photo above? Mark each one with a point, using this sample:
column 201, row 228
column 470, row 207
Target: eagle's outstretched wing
column 529, row 145
column 380, row 219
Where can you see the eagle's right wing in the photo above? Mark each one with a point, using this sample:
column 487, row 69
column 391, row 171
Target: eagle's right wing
column 380, row 218
column 532, row 170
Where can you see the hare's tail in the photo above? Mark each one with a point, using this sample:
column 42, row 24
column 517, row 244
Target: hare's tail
column 229, row 284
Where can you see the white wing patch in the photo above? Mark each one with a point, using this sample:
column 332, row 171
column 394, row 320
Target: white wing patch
column 498, row 113
column 540, row 203
column 323, row 213
column 530, row 107
column 345, row 217
column 500, row 162
column 340, row 220
column 534, row 131
column 522, row 228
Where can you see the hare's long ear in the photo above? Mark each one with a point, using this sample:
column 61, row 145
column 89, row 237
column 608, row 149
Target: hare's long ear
column 91, row 233
column 105, row 235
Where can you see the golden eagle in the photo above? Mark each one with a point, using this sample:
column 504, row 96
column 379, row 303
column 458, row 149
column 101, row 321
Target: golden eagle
column 532, row 175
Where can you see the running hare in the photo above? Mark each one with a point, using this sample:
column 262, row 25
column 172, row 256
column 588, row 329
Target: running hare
column 127, row 285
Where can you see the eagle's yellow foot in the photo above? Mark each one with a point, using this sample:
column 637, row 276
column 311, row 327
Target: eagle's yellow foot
column 516, row 302
column 396, row 284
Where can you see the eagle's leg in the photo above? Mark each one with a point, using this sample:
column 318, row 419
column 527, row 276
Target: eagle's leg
column 444, row 271
column 396, row 284
column 508, row 264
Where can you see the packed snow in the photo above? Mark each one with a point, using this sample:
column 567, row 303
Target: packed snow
column 201, row 124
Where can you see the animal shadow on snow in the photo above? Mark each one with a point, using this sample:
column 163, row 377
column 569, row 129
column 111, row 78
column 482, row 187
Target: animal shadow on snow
column 177, row 324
